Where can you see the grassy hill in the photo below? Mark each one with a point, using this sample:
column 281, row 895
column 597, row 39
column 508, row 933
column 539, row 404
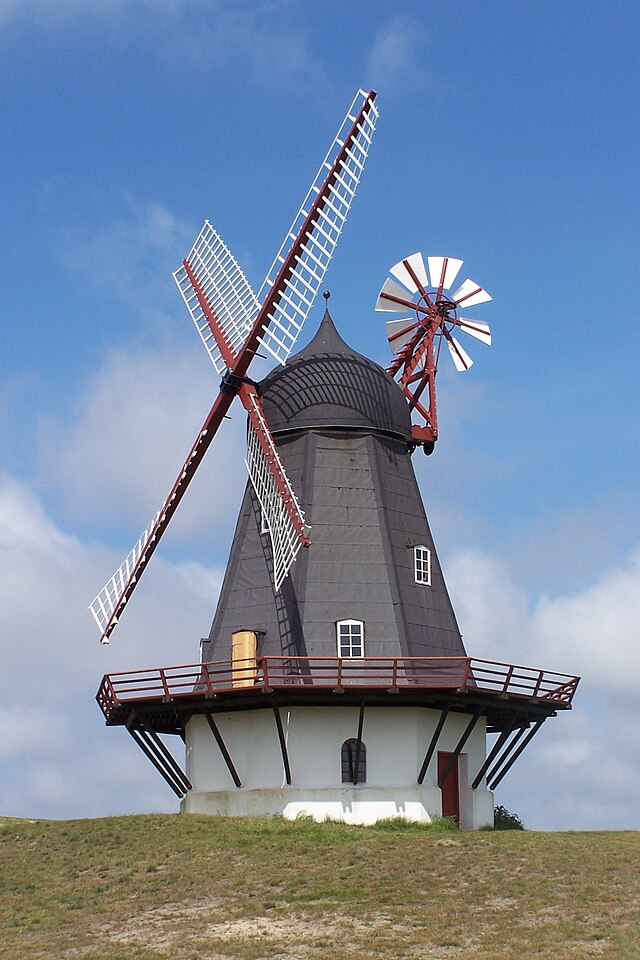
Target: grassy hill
column 198, row 888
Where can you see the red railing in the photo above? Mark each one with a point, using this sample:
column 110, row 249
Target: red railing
column 167, row 684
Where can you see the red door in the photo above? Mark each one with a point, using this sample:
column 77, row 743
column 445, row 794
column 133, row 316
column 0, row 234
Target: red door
column 450, row 788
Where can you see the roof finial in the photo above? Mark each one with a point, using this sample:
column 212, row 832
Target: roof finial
column 326, row 294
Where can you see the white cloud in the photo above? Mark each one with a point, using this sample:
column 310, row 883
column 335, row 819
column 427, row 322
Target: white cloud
column 581, row 764
column 57, row 757
column 395, row 55
column 580, row 771
column 592, row 632
column 113, row 455
column 131, row 431
column 263, row 36
column 36, row 733
column 597, row 628
column 132, row 255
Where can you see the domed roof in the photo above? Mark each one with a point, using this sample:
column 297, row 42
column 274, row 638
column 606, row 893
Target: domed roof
column 329, row 385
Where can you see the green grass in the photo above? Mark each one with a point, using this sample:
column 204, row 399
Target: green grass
column 199, row 888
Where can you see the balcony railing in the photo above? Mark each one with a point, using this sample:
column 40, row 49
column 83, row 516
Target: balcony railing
column 173, row 684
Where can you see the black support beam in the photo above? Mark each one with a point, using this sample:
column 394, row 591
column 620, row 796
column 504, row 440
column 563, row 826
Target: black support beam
column 456, row 753
column 168, row 757
column 432, row 746
column 529, row 737
column 358, row 746
column 502, row 739
column 217, row 736
column 139, row 737
column 283, row 743
column 517, row 735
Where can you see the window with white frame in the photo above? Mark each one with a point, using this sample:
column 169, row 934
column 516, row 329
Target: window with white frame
column 422, row 564
column 350, row 636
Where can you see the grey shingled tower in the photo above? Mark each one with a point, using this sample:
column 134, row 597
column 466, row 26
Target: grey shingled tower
column 343, row 430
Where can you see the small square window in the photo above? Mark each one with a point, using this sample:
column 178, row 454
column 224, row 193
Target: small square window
column 350, row 635
column 422, row 565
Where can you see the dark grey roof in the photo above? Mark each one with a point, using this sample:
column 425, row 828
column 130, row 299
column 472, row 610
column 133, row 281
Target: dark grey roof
column 341, row 426
column 328, row 384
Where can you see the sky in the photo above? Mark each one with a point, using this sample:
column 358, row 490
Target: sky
column 508, row 137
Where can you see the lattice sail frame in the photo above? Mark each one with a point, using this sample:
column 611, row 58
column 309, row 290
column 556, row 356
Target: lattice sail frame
column 103, row 606
column 296, row 284
column 285, row 322
column 220, row 277
column 226, row 289
column 281, row 511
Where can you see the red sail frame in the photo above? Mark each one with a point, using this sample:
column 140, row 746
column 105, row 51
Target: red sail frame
column 237, row 370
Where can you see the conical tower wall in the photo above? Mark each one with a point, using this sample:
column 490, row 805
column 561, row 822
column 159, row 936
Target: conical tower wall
column 349, row 461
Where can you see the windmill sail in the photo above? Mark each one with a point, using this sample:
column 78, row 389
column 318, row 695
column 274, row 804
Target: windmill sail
column 443, row 271
column 470, row 294
column 410, row 268
column 232, row 323
column 105, row 604
column 109, row 603
column 226, row 290
column 299, row 267
column 280, row 508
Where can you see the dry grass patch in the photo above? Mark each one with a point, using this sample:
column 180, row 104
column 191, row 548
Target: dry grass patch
column 198, row 888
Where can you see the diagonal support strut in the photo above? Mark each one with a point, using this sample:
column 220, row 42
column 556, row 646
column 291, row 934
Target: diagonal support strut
column 217, row 736
column 283, row 743
column 153, row 747
column 529, row 737
column 358, row 745
column 456, row 753
column 432, row 746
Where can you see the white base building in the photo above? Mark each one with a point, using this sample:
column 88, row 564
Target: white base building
column 394, row 742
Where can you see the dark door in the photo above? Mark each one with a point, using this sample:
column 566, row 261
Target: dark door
column 450, row 788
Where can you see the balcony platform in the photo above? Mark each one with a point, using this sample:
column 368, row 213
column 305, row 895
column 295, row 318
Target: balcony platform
column 166, row 698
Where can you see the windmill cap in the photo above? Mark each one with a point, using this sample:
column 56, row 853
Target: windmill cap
column 329, row 385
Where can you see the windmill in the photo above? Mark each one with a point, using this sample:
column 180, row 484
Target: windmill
column 432, row 317
column 378, row 709
column 233, row 323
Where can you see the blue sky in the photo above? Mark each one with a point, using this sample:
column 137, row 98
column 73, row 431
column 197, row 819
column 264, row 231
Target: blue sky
column 508, row 137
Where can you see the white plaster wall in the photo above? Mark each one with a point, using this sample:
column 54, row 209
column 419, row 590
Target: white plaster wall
column 396, row 740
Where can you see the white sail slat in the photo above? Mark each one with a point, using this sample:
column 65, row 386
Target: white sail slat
column 281, row 512
column 226, row 290
column 328, row 199
column 112, row 594
column 460, row 357
column 395, row 299
column 475, row 328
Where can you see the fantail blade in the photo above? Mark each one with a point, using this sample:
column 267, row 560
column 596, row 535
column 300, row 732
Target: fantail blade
column 443, row 270
column 393, row 298
column 399, row 332
column 470, row 294
column 475, row 328
column 404, row 270
column 460, row 357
